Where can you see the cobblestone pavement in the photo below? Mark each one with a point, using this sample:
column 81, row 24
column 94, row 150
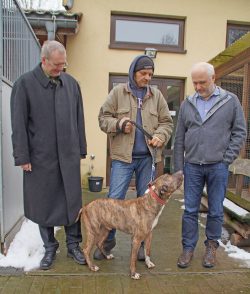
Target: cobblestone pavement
column 229, row 275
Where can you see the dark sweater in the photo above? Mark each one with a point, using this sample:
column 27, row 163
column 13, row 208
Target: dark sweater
column 140, row 148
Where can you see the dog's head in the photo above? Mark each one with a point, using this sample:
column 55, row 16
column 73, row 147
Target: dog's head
column 166, row 184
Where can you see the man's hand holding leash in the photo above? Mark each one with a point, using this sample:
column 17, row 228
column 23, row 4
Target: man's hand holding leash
column 155, row 142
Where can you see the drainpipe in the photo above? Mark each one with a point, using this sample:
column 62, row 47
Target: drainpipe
column 51, row 28
column 1, row 92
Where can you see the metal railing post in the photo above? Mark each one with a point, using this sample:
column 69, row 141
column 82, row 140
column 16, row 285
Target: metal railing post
column 1, row 93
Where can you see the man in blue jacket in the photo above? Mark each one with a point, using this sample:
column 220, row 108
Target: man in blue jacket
column 210, row 132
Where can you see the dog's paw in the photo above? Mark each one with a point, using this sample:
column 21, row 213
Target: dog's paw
column 94, row 268
column 135, row 276
column 149, row 263
column 110, row 256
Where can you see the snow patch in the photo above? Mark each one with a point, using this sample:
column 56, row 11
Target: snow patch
column 26, row 250
column 237, row 253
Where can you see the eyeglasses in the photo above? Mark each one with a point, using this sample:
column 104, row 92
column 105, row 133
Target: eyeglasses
column 62, row 65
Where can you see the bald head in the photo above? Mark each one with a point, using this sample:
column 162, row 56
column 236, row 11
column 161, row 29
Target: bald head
column 203, row 78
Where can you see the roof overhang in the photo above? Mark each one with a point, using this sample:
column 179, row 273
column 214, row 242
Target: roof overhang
column 241, row 46
column 62, row 23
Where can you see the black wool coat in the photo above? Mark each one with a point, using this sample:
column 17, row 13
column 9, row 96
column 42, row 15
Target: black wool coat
column 48, row 131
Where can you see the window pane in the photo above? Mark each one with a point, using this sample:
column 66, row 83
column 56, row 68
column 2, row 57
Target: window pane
column 236, row 31
column 233, row 82
column 138, row 32
column 235, row 34
column 173, row 99
column 147, row 32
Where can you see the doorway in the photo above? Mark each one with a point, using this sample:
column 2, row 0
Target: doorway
column 173, row 91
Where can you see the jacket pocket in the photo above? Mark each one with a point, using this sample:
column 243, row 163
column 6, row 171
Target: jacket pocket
column 123, row 112
column 153, row 119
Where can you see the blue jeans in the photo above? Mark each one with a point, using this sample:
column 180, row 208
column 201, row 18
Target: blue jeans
column 215, row 176
column 121, row 175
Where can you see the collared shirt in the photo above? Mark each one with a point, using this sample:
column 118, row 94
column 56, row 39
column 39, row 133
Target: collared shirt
column 53, row 80
column 204, row 105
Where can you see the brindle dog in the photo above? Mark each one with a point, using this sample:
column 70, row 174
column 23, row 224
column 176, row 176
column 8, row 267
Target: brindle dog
column 137, row 217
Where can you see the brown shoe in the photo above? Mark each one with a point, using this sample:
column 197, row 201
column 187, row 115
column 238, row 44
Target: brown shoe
column 185, row 258
column 210, row 254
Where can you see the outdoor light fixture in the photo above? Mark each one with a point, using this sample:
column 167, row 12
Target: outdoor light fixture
column 151, row 52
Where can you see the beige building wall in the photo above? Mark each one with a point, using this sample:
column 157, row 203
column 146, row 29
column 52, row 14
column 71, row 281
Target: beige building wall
column 91, row 60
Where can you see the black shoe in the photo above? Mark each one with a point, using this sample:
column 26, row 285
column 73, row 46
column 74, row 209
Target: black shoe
column 141, row 253
column 108, row 246
column 77, row 255
column 47, row 260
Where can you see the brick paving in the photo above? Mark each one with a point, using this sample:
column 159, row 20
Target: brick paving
column 229, row 275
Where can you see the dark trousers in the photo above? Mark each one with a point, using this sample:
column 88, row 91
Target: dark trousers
column 73, row 236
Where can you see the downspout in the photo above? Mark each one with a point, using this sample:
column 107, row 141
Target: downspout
column 1, row 149
column 51, row 28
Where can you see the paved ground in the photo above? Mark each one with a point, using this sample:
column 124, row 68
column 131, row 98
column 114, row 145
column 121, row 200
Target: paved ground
column 229, row 276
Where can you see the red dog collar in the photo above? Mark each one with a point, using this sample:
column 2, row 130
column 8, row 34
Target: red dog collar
column 155, row 196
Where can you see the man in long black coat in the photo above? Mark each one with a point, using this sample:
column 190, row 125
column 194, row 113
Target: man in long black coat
column 48, row 142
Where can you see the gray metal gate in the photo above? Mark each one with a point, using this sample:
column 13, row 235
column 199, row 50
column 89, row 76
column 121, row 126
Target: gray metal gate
column 19, row 53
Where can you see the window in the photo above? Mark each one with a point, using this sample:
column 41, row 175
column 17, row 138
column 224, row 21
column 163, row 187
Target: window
column 235, row 31
column 137, row 32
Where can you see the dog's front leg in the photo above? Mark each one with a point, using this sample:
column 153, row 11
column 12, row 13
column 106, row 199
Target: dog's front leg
column 148, row 240
column 134, row 251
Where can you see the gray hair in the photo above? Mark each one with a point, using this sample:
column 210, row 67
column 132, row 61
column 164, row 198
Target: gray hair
column 203, row 66
column 50, row 46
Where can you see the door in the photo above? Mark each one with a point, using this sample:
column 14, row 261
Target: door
column 173, row 91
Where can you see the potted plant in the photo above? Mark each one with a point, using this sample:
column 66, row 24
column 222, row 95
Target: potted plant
column 95, row 182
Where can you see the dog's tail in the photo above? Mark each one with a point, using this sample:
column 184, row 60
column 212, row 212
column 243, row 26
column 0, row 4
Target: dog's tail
column 89, row 224
column 84, row 215
column 79, row 215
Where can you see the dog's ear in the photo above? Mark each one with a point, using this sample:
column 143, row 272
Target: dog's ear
column 164, row 189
